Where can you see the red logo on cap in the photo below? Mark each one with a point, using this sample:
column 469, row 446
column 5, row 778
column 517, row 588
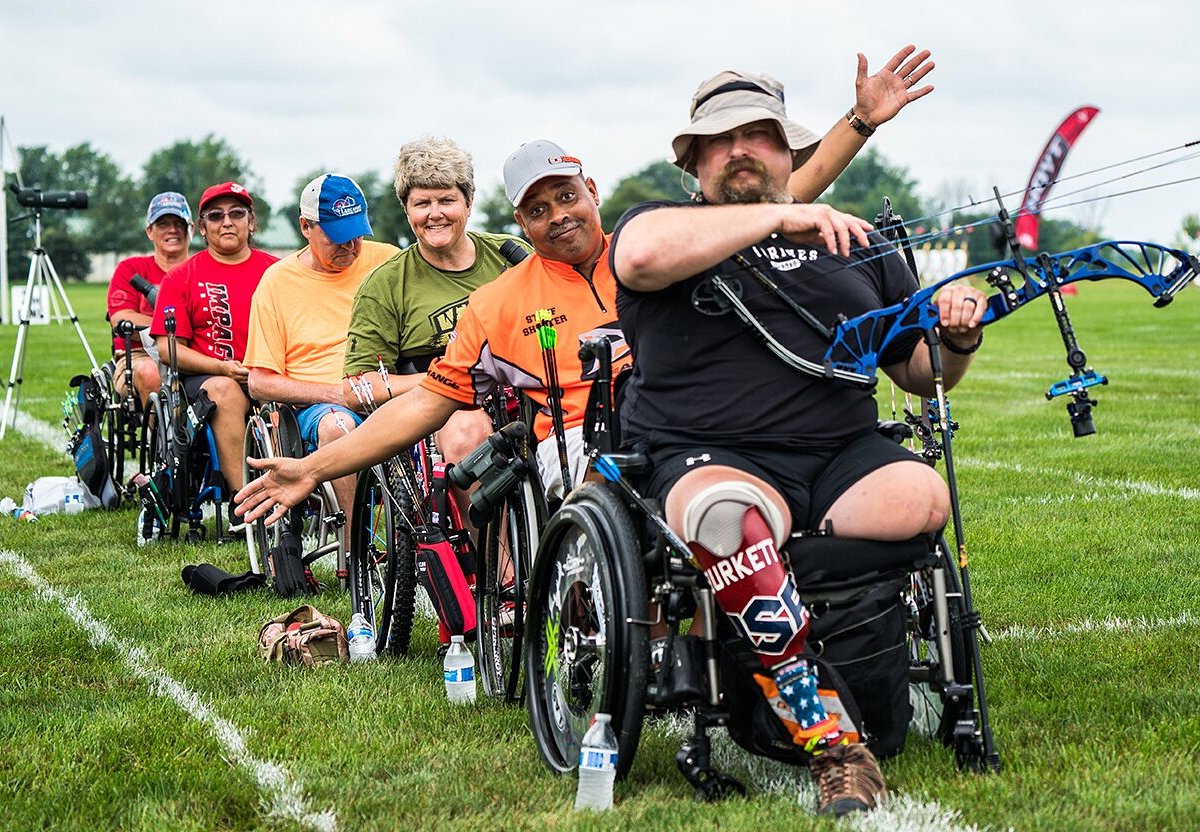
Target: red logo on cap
column 564, row 160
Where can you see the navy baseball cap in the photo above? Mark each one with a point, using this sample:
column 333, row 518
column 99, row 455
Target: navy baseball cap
column 337, row 204
column 168, row 203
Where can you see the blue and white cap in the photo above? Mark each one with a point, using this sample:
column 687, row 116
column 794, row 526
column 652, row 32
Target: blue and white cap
column 337, row 204
column 168, row 203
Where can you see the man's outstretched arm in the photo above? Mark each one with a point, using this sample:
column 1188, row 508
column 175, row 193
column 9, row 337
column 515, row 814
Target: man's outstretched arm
column 658, row 248
column 397, row 425
column 877, row 99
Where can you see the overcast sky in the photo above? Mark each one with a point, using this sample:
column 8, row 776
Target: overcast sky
column 300, row 85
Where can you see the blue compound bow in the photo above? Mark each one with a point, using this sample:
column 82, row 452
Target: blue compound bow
column 856, row 343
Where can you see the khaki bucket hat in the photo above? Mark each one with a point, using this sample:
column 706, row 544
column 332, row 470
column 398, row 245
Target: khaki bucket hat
column 730, row 99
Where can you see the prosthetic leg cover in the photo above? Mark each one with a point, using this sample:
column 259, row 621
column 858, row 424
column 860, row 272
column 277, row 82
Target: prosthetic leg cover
column 756, row 591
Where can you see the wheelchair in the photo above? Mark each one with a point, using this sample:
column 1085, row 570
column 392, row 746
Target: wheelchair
column 287, row 550
column 122, row 413
column 608, row 568
column 402, row 512
column 179, row 472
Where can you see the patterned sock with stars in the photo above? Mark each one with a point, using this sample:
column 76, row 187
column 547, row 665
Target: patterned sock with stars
column 797, row 683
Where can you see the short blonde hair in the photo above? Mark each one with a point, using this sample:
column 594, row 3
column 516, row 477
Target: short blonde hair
column 430, row 162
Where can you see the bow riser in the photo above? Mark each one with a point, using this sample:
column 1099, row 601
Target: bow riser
column 1161, row 271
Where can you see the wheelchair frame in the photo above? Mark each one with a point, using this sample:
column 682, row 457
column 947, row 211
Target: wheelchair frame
column 178, row 455
column 394, row 505
column 311, row 530
column 607, row 553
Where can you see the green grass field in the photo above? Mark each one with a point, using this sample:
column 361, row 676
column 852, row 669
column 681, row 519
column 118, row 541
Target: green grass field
column 1084, row 564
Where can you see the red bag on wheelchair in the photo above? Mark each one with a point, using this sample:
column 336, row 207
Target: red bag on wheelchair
column 440, row 572
column 440, row 563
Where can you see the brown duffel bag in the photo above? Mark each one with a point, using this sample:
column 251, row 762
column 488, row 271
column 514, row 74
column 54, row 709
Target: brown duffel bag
column 303, row 636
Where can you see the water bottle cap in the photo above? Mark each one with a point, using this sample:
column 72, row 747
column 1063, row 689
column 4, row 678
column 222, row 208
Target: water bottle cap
column 602, row 717
column 457, row 639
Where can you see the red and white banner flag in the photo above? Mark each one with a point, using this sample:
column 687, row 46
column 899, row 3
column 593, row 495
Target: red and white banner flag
column 1045, row 172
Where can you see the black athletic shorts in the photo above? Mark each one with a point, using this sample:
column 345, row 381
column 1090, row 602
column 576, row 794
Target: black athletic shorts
column 810, row 480
column 192, row 384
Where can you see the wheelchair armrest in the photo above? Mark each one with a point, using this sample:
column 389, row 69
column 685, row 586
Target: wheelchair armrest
column 824, row 559
column 633, row 464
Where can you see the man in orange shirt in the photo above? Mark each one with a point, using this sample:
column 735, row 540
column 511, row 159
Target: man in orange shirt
column 496, row 340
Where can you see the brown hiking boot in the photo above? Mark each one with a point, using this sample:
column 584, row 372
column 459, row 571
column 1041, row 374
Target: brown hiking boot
column 848, row 779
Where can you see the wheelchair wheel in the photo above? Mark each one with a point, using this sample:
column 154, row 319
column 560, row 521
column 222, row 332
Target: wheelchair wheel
column 272, row 431
column 587, row 649
column 120, row 435
column 937, row 704
column 509, row 540
column 382, row 565
column 154, row 454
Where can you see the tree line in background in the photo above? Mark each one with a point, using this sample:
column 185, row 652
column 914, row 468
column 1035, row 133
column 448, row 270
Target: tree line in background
column 113, row 221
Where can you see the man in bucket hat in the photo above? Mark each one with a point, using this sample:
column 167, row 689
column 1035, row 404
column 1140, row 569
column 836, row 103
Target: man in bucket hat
column 752, row 449
column 724, row 99
column 301, row 311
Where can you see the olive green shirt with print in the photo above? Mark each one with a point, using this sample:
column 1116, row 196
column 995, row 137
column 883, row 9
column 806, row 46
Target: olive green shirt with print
column 406, row 309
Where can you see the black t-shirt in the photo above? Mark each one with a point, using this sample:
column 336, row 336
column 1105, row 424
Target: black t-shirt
column 701, row 375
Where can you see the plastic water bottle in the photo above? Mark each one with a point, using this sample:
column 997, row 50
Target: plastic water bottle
column 72, row 498
column 597, row 766
column 458, row 669
column 361, row 639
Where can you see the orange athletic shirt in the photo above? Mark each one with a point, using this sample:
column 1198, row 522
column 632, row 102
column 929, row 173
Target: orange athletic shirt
column 496, row 340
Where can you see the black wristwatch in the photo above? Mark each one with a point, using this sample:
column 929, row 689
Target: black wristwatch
column 957, row 350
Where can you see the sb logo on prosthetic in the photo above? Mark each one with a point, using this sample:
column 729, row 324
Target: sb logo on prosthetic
column 772, row 622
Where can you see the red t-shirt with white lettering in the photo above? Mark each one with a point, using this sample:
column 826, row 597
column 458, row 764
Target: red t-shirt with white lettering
column 122, row 296
column 212, row 302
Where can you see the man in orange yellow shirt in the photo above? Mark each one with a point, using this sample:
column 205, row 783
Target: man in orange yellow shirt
column 301, row 311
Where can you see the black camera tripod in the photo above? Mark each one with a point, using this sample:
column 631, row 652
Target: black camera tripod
column 42, row 280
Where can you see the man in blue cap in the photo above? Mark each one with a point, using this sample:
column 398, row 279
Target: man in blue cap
column 169, row 227
column 301, row 313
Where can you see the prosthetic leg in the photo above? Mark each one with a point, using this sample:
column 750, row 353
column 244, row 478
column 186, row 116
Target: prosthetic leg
column 733, row 530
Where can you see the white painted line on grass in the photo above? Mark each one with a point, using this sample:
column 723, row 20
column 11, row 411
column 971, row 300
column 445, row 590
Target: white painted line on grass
column 48, row 435
column 284, row 794
column 1098, row 483
column 1112, row 624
